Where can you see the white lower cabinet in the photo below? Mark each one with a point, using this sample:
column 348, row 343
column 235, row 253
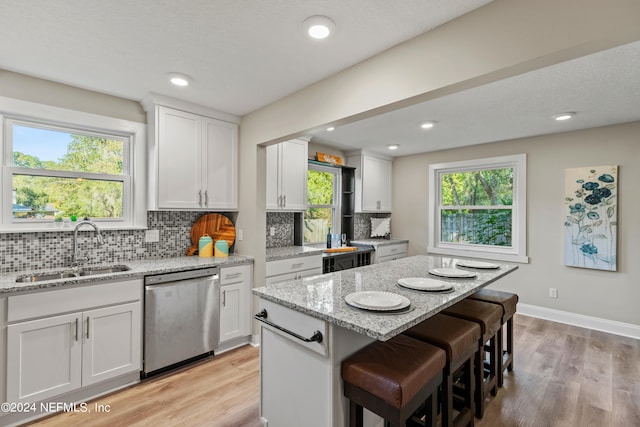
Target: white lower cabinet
column 390, row 252
column 293, row 268
column 43, row 358
column 235, row 302
column 59, row 353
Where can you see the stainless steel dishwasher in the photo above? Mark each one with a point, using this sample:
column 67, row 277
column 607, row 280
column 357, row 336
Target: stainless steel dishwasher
column 181, row 314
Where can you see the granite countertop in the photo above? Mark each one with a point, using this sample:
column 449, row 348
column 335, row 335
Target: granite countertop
column 274, row 254
column 323, row 296
column 8, row 284
column 379, row 242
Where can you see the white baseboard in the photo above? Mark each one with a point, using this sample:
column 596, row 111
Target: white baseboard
column 595, row 323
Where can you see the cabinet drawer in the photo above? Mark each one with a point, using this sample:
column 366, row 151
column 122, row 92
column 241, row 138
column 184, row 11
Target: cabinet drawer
column 290, row 321
column 389, row 250
column 292, row 265
column 240, row 273
column 56, row 301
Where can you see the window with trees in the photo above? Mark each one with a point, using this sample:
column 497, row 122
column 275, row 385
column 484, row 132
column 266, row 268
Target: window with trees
column 82, row 167
column 478, row 208
column 322, row 214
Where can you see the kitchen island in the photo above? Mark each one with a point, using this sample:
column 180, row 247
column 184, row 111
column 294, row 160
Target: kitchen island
column 307, row 329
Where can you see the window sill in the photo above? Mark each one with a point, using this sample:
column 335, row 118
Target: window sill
column 522, row 259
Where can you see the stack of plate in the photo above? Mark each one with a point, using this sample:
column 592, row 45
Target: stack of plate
column 477, row 264
column 452, row 273
column 425, row 284
column 377, row 301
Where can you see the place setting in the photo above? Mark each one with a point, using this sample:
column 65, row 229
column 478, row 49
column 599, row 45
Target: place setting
column 452, row 273
column 481, row 265
column 379, row 302
column 425, row 284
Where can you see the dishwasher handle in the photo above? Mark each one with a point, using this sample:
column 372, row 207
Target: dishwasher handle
column 262, row 317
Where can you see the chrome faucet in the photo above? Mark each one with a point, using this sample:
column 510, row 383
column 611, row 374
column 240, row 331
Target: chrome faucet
column 75, row 260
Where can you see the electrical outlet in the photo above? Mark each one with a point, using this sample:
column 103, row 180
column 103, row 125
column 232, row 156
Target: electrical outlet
column 152, row 236
column 239, row 234
column 272, row 231
column 553, row 293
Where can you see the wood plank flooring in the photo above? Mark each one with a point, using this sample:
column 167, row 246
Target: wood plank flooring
column 563, row 376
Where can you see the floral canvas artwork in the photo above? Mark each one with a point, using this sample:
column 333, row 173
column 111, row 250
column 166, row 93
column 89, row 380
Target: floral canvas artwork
column 590, row 220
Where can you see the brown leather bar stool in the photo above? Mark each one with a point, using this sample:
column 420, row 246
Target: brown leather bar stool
column 508, row 302
column 459, row 339
column 488, row 316
column 393, row 379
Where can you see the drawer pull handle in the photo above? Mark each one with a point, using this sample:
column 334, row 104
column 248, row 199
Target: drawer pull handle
column 262, row 317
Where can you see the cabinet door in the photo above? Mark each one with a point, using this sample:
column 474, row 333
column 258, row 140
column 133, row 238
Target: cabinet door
column 273, row 181
column 220, row 160
column 294, row 174
column 233, row 314
column 43, row 358
column 111, row 342
column 376, row 184
column 179, row 159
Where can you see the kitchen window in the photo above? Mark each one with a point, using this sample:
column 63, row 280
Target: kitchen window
column 477, row 208
column 323, row 207
column 54, row 170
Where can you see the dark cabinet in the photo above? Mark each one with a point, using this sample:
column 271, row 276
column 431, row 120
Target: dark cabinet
column 348, row 201
column 331, row 262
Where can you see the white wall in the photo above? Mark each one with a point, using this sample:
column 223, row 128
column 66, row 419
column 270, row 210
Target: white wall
column 601, row 294
column 26, row 88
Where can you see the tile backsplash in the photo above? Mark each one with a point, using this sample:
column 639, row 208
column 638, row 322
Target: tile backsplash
column 283, row 224
column 53, row 249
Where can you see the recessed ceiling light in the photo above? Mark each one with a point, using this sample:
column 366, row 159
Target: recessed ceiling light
column 428, row 125
column 393, row 146
column 318, row 26
column 330, row 129
column 179, row 79
column 563, row 116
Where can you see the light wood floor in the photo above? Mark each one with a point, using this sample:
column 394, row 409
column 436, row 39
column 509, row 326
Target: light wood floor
column 563, row 376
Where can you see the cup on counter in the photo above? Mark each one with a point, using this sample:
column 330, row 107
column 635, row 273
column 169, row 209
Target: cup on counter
column 205, row 246
column 221, row 249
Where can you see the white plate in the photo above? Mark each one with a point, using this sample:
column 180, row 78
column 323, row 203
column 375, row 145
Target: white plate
column 452, row 273
column 424, row 284
column 374, row 300
column 476, row 264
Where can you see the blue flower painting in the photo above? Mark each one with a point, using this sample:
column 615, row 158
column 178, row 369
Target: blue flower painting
column 591, row 212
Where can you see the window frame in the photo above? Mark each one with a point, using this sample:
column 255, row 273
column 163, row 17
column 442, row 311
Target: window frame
column 133, row 135
column 336, row 218
column 514, row 253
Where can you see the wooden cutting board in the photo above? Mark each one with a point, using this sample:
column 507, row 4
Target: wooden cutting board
column 215, row 225
column 342, row 249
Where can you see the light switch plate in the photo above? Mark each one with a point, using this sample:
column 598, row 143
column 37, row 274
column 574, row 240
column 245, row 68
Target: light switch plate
column 151, row 236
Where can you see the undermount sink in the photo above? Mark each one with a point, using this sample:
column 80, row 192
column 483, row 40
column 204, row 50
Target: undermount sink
column 86, row 271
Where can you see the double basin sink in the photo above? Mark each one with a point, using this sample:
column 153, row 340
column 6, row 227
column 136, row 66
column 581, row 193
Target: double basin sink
column 86, row 271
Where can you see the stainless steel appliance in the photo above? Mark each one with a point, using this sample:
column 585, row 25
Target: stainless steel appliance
column 181, row 314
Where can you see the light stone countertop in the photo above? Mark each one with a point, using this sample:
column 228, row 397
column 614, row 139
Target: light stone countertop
column 379, row 242
column 323, row 297
column 9, row 286
column 274, row 254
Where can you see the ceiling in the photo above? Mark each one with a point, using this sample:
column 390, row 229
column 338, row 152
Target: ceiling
column 602, row 89
column 243, row 55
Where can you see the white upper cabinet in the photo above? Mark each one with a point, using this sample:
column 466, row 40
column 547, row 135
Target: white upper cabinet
column 193, row 161
column 373, row 181
column 287, row 175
